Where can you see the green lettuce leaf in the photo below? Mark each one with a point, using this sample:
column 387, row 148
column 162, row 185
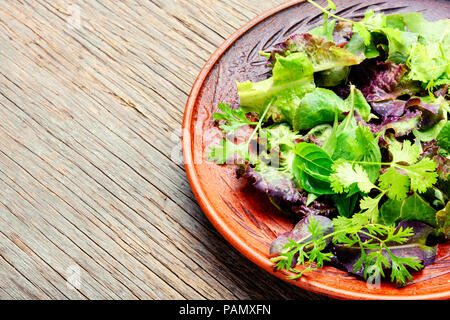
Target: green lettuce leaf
column 381, row 30
column 412, row 208
column 428, row 62
column 431, row 31
column 292, row 79
column 443, row 139
column 323, row 54
column 318, row 107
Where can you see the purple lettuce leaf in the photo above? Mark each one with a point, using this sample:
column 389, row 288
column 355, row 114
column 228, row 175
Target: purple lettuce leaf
column 378, row 80
column 301, row 234
column 283, row 193
column 415, row 246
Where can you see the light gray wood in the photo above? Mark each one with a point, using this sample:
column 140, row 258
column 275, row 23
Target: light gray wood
column 89, row 137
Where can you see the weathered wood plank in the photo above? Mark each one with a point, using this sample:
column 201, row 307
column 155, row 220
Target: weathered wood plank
column 89, row 139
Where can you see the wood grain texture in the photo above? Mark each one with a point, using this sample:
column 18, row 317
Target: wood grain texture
column 90, row 174
column 244, row 216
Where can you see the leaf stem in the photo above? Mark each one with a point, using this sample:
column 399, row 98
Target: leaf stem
column 325, row 11
column 259, row 124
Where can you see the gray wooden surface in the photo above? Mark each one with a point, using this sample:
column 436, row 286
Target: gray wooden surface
column 94, row 201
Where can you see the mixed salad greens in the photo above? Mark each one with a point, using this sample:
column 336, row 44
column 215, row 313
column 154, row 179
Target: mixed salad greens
column 352, row 138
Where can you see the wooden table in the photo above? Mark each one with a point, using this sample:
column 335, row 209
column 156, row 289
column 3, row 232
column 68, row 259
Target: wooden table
column 94, row 200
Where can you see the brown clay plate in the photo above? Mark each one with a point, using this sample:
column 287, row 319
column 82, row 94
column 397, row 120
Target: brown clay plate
column 246, row 218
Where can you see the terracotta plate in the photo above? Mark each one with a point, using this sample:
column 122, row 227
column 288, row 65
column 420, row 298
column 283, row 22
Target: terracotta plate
column 245, row 218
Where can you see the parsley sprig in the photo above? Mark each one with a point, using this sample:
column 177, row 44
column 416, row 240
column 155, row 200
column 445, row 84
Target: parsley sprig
column 309, row 254
column 235, row 119
column 374, row 241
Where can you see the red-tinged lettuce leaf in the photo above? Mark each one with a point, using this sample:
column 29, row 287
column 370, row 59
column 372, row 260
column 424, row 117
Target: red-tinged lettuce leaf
column 397, row 108
column 272, row 182
column 415, row 247
column 323, row 54
column 379, row 81
column 442, row 92
column 301, row 234
column 434, row 119
column 389, row 108
column 281, row 190
column 433, row 151
column 292, row 78
column 401, row 126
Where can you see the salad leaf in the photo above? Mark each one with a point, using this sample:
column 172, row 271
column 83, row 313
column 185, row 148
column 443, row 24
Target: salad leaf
column 319, row 134
column 443, row 221
column 318, row 107
column 443, row 138
column 399, row 251
column 378, row 80
column 412, row 208
column 301, row 233
column 292, row 79
column 356, row 45
column 397, row 184
column 332, row 77
column 355, row 143
column 431, row 31
column 308, row 250
column 345, row 175
column 434, row 119
column 405, row 152
column 345, row 204
column 368, row 152
column 233, row 118
column 312, row 168
column 401, row 126
column 400, row 43
column 428, row 62
column 323, row 54
column 362, row 106
column 422, row 174
column 273, row 182
column 399, row 40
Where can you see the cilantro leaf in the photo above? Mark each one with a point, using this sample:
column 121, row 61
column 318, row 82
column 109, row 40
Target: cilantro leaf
column 404, row 153
column 396, row 183
column 345, row 175
column 233, row 118
column 422, row 174
column 370, row 206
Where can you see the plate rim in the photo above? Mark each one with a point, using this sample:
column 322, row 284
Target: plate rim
column 208, row 209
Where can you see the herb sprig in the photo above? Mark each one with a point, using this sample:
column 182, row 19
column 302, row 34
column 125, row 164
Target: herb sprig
column 376, row 255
